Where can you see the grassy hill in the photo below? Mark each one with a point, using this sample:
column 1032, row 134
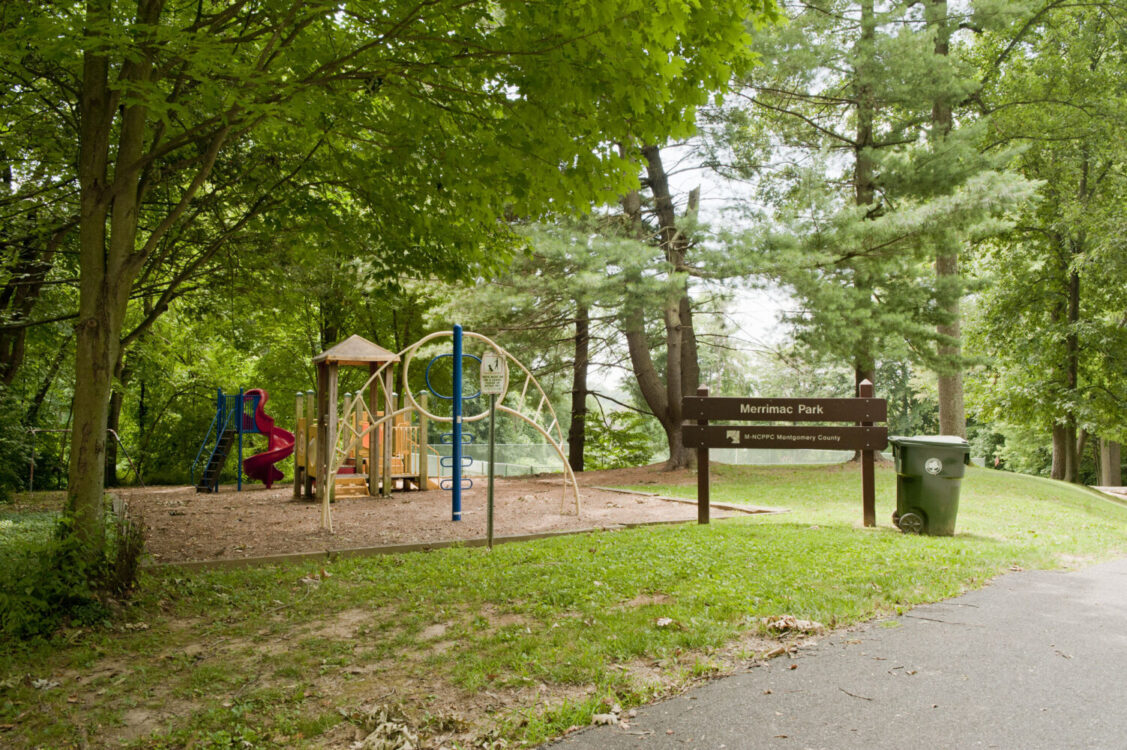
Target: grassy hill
column 468, row 646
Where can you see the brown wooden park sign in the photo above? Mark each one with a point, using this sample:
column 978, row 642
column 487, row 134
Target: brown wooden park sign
column 863, row 435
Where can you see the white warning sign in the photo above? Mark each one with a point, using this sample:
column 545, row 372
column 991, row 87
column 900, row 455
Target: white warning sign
column 494, row 373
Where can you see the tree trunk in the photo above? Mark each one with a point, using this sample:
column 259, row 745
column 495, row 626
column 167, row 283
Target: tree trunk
column 1081, row 444
column 96, row 337
column 123, row 373
column 576, row 434
column 637, row 344
column 952, row 410
column 1071, row 457
column 1060, row 450
column 654, row 392
column 113, row 422
column 682, row 371
column 332, row 314
column 1072, row 343
column 149, row 426
column 1111, row 472
column 682, row 375
column 101, row 314
column 109, row 259
column 690, row 361
column 864, row 187
column 1066, row 460
column 19, row 295
column 32, row 418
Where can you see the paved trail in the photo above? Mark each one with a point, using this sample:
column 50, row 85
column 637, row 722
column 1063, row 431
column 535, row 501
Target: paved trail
column 1035, row 660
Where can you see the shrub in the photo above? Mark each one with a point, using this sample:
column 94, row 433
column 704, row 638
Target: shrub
column 15, row 448
column 49, row 581
column 620, row 442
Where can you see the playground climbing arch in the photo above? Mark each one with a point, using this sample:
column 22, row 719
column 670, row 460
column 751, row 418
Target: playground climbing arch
column 529, row 404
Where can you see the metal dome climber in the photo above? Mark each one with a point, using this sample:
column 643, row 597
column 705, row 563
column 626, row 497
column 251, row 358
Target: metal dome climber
column 542, row 417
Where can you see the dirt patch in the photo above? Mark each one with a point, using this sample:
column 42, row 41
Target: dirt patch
column 647, row 600
column 183, row 525
column 344, row 625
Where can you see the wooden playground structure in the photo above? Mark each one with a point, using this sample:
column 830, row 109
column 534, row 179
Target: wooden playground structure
column 375, row 461
column 403, row 466
column 378, row 442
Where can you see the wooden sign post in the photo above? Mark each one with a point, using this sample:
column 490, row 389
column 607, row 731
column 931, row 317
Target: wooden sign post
column 863, row 435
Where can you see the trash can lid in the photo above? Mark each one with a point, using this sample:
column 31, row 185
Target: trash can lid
column 950, row 441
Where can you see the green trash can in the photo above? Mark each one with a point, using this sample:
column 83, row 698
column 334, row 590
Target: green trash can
column 929, row 473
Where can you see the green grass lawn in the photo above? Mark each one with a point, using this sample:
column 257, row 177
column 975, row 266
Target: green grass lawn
column 524, row 641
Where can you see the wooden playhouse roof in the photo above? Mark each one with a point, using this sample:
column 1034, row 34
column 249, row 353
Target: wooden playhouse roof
column 356, row 350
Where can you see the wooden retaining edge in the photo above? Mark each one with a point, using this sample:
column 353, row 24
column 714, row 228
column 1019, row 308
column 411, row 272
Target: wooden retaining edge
column 387, row 549
column 750, row 509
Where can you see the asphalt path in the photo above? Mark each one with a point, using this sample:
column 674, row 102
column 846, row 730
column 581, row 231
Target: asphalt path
column 1034, row 660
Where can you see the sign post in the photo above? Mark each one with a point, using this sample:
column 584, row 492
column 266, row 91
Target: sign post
column 702, row 468
column 868, row 480
column 494, row 374
column 863, row 436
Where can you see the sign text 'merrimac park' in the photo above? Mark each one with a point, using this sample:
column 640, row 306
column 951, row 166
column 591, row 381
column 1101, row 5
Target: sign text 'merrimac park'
column 782, row 411
column 787, row 409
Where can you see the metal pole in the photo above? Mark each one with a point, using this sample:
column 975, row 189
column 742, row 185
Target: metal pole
column 299, row 444
column 424, row 453
column 310, row 462
column 239, row 468
column 489, row 506
column 31, row 467
column 456, row 454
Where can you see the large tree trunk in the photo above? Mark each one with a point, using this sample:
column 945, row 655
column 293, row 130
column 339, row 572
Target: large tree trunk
column 864, row 185
column 682, row 374
column 1066, row 459
column 682, row 370
column 1073, row 248
column 1070, row 459
column 108, row 259
column 952, row 410
column 99, row 320
column 952, row 407
column 101, row 314
column 649, row 382
column 576, row 433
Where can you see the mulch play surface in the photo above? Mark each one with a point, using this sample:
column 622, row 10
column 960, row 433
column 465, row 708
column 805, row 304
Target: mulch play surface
column 182, row 525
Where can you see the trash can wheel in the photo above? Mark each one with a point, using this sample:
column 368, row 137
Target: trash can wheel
column 896, row 518
column 911, row 522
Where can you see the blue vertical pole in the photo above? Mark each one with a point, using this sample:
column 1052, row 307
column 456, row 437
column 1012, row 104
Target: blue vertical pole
column 456, row 485
column 239, row 468
column 221, row 422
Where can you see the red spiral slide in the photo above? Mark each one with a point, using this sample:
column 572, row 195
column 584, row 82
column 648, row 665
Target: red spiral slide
column 260, row 466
